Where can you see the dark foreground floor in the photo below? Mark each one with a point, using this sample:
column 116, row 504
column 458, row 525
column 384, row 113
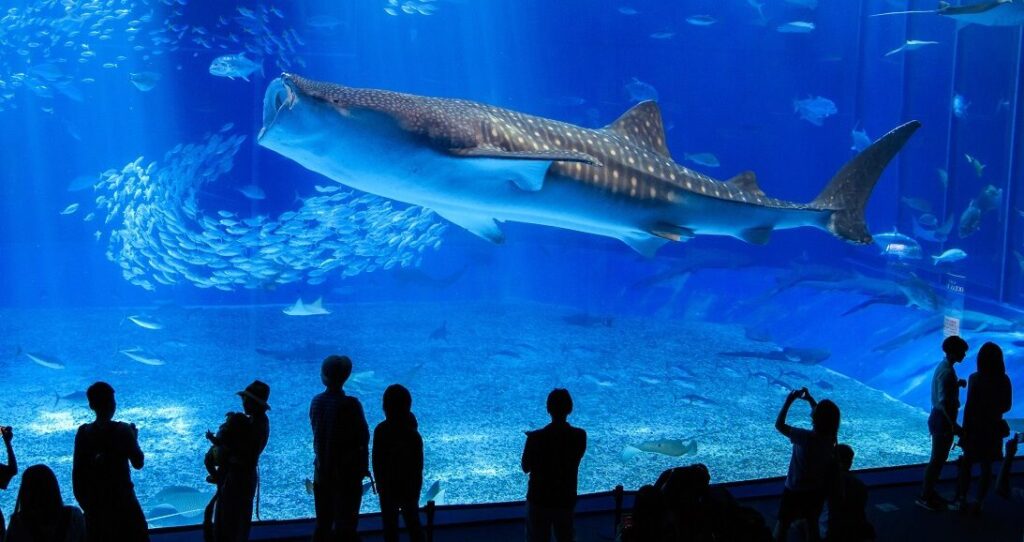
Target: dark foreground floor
column 891, row 509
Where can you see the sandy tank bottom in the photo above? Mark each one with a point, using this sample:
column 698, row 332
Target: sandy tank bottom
column 479, row 374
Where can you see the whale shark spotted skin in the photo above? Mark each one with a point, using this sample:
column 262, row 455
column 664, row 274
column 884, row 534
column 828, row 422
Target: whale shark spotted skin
column 477, row 165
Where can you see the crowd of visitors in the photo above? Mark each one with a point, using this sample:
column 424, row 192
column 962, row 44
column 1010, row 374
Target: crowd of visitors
column 680, row 506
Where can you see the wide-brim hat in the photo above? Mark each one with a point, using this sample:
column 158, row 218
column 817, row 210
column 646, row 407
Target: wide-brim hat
column 258, row 392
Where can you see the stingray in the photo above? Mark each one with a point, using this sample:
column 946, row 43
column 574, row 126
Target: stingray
column 993, row 13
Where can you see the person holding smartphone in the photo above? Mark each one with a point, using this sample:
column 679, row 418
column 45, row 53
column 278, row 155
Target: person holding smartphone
column 7, row 471
column 811, row 467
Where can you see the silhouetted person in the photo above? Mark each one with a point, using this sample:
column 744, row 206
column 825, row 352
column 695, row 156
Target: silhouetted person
column 942, row 421
column 812, row 467
column 1003, row 480
column 398, row 464
column 40, row 514
column 847, row 503
column 237, row 472
column 8, row 470
column 341, row 442
column 552, row 458
column 989, row 396
column 100, row 474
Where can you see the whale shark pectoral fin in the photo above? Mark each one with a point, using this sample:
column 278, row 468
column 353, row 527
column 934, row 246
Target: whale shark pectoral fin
column 549, row 156
column 646, row 244
column 529, row 174
column 479, row 225
column 757, row 236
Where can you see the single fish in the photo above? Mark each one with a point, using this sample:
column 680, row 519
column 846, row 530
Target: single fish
column 144, row 323
column 702, row 158
column 373, row 140
column 989, row 199
column 970, row 221
column 943, row 178
column 70, row 209
column 795, row 27
column 237, row 65
column 920, row 205
column 252, row 191
column 669, row 447
column 82, row 182
column 74, row 398
column 978, row 166
column 960, row 105
column 138, row 355
column 911, row 45
column 815, row 109
column 949, row 256
column 433, row 493
column 860, row 140
column 44, row 360
column 315, row 308
column 626, row 10
column 144, row 81
column 662, row 35
column 640, row 91
column 701, row 20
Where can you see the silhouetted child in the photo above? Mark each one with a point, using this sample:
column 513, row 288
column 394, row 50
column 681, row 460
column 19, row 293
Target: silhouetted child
column 233, row 434
column 8, row 470
column 341, row 442
column 847, row 503
column 942, row 421
column 40, row 514
column 398, row 464
column 812, row 468
column 552, row 458
column 228, row 518
column 100, row 474
column 989, row 396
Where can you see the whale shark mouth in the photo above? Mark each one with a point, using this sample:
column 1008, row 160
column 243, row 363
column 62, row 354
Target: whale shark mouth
column 280, row 94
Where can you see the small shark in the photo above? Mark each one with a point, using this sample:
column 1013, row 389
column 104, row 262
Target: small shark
column 992, row 13
column 476, row 164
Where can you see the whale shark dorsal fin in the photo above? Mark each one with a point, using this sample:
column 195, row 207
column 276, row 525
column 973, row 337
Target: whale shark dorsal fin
column 642, row 125
column 479, row 225
column 746, row 182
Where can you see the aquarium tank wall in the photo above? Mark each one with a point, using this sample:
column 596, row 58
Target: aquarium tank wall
column 178, row 218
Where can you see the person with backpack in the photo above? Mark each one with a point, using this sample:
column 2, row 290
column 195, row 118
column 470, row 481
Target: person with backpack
column 100, row 475
column 398, row 464
column 341, row 440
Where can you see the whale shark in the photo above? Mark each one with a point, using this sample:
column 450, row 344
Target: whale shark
column 477, row 165
column 991, row 13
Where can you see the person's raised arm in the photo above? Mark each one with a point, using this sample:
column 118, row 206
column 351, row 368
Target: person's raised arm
column 135, row 455
column 780, row 421
column 12, row 462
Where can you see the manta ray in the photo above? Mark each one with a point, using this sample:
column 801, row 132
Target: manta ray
column 993, row 13
column 478, row 165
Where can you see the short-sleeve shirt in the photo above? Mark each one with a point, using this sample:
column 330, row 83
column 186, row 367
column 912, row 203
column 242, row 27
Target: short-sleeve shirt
column 811, row 460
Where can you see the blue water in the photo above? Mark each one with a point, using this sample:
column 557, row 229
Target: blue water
column 697, row 343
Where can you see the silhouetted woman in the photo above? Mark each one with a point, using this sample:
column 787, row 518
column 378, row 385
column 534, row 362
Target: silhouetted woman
column 398, row 464
column 989, row 396
column 40, row 514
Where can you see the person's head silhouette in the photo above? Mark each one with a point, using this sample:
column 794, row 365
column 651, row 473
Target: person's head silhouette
column 844, row 457
column 39, row 500
column 825, row 418
column 955, row 348
column 990, row 359
column 335, row 370
column 559, row 404
column 397, row 401
column 254, row 398
column 101, row 400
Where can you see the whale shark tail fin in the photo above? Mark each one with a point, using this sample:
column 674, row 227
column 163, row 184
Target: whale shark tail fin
column 848, row 192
